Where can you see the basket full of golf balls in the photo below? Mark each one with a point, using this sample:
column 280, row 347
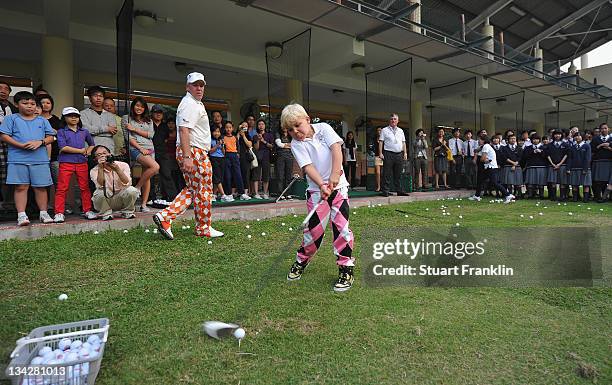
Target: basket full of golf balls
column 65, row 354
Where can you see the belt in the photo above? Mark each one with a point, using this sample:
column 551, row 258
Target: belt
column 393, row 152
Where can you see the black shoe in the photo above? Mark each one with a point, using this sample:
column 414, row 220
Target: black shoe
column 402, row 194
column 345, row 279
column 296, row 271
column 385, row 193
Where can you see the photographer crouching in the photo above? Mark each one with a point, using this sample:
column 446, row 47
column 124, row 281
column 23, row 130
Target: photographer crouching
column 114, row 190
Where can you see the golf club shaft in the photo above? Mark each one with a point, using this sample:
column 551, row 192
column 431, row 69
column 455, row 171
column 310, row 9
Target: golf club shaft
column 310, row 214
column 286, row 188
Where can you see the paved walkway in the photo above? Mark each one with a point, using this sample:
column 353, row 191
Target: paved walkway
column 77, row 224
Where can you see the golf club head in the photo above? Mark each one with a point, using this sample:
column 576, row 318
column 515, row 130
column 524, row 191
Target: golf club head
column 218, row 329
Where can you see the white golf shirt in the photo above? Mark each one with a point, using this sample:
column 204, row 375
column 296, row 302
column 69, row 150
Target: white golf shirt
column 393, row 139
column 316, row 151
column 192, row 114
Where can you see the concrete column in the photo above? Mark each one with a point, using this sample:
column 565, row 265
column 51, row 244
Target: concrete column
column 415, row 16
column 416, row 118
column 58, row 70
column 488, row 122
column 235, row 104
column 294, row 91
column 539, row 127
column 488, row 30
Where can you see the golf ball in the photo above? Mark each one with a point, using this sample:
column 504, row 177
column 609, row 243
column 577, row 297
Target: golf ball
column 249, row 236
column 93, row 339
column 96, row 232
column 76, row 345
column 354, row 212
column 248, row 227
column 457, row 224
column 263, row 234
column 522, row 216
column 540, row 213
column 426, row 209
column 531, row 217
column 64, row 343
column 600, row 209
column 183, row 227
column 283, row 224
column 295, row 215
column 406, row 215
column 62, row 297
column 154, row 231
column 188, row 227
column 290, row 228
column 239, row 333
column 258, row 219
column 125, row 231
column 209, row 242
column 588, row 208
column 460, row 216
column 44, row 350
column 37, row 361
column 570, row 213
column 147, row 230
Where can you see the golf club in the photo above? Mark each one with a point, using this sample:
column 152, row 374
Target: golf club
column 218, row 330
column 295, row 177
column 310, row 214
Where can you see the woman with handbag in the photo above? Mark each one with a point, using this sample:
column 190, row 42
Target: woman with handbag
column 441, row 153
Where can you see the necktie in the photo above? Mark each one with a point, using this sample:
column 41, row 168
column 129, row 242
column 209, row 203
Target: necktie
column 457, row 147
column 469, row 151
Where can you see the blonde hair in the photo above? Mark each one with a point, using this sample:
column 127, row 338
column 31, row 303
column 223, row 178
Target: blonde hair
column 291, row 113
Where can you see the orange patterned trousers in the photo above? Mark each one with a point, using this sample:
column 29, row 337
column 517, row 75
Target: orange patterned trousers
column 198, row 190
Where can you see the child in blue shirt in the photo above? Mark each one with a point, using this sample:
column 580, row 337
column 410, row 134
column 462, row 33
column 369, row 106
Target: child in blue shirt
column 27, row 137
column 217, row 159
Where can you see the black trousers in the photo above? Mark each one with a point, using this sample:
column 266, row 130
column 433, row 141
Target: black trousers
column 284, row 167
column 352, row 167
column 392, row 167
column 490, row 174
column 456, row 171
column 470, row 173
column 165, row 183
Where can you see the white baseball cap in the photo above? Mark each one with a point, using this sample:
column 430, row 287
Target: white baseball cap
column 194, row 77
column 70, row 110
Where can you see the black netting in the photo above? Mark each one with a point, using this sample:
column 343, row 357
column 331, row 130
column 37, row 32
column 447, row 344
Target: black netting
column 565, row 119
column 453, row 105
column 508, row 111
column 389, row 90
column 290, row 69
column 124, row 57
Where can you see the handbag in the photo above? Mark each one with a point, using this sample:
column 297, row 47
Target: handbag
column 252, row 158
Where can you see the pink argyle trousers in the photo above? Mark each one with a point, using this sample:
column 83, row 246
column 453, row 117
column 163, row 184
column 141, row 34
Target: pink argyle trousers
column 337, row 208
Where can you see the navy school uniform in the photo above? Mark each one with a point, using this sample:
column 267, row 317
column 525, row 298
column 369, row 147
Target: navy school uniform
column 579, row 165
column 602, row 159
column 535, row 165
column 556, row 151
column 511, row 177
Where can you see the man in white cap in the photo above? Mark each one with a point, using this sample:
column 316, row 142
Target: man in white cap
column 193, row 144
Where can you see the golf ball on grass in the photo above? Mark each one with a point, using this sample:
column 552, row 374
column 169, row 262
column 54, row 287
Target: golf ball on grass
column 571, row 213
column 154, row 231
column 531, row 217
column 239, row 333
column 125, row 231
column 147, row 230
column 96, row 232
column 263, row 234
column 62, row 297
column 249, row 236
column 290, row 228
column 258, row 219
column 295, row 215
column 248, row 227
column 283, row 224
column 209, row 242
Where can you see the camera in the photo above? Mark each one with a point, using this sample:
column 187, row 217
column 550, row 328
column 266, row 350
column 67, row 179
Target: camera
column 245, row 129
column 110, row 158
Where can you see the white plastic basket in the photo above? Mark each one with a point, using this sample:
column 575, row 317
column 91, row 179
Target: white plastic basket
column 78, row 372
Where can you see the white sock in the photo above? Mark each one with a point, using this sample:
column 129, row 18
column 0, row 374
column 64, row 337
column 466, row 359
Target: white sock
column 22, row 214
column 44, row 212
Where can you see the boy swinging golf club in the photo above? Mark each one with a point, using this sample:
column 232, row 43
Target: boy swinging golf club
column 317, row 149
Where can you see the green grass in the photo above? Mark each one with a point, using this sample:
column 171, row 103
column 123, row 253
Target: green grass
column 157, row 294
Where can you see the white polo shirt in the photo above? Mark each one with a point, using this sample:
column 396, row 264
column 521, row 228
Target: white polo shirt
column 316, row 151
column 393, row 139
column 491, row 156
column 192, row 114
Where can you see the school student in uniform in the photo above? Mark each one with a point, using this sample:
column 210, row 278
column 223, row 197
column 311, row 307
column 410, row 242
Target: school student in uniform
column 469, row 145
column 601, row 147
column 579, row 168
column 556, row 154
column 512, row 174
column 535, row 168
column 490, row 171
column 497, row 147
column 455, row 144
